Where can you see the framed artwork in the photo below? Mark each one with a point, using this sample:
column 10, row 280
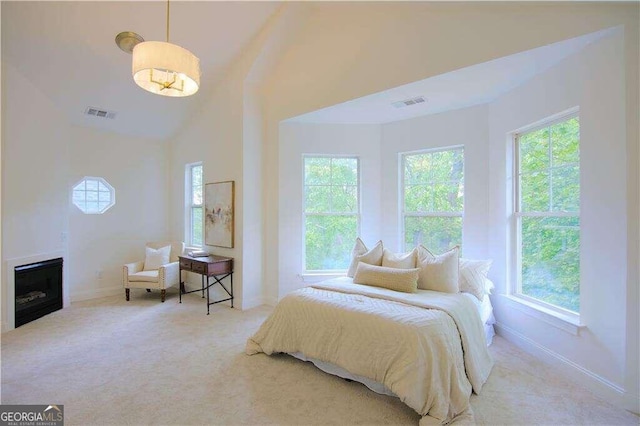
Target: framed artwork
column 218, row 214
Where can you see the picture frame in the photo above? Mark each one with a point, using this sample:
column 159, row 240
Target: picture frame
column 219, row 210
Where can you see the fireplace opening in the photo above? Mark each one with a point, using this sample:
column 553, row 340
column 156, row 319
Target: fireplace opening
column 38, row 290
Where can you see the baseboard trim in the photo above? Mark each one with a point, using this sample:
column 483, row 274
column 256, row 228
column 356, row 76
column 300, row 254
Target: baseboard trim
column 600, row 386
column 79, row 296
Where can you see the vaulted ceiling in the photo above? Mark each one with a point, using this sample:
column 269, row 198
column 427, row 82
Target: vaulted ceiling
column 67, row 50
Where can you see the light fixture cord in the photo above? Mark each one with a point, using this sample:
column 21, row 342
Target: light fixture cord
column 167, row 21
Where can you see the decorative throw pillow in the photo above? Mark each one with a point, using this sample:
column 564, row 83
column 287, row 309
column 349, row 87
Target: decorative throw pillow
column 473, row 274
column 154, row 259
column 405, row 280
column 361, row 254
column 400, row 260
column 439, row 272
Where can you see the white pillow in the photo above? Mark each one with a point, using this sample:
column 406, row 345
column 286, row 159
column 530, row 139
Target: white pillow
column 392, row 278
column 154, row 259
column 361, row 254
column 473, row 276
column 439, row 272
column 400, row 260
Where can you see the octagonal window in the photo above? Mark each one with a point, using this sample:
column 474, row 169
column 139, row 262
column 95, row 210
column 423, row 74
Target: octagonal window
column 93, row 195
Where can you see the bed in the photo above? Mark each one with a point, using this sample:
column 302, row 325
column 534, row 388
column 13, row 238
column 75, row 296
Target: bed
column 427, row 348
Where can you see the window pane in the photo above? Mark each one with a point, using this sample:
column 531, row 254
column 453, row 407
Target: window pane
column 196, row 198
column 448, row 197
column 104, row 196
column 434, row 181
column 92, row 195
column 534, row 151
column 437, row 233
column 418, row 198
column 196, row 176
column 551, row 260
column 344, row 171
column 196, row 226
column 92, row 206
column 417, row 169
column 566, row 189
column 92, row 184
column 534, row 192
column 317, row 199
column 328, row 241
column 317, row 171
column 565, row 141
column 344, row 199
column 78, row 196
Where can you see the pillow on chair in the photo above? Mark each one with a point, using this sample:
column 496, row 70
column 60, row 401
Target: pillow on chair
column 156, row 258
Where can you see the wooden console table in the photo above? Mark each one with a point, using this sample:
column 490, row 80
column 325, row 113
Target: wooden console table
column 212, row 266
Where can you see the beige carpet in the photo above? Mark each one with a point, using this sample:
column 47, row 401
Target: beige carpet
column 146, row 362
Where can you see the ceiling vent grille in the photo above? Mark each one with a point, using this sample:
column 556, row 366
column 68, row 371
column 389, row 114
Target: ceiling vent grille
column 410, row 102
column 100, row 113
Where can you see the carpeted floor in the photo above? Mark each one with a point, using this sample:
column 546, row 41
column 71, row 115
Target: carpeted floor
column 145, row 362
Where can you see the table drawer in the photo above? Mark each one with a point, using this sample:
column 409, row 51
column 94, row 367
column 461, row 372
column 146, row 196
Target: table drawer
column 185, row 264
column 199, row 268
column 220, row 268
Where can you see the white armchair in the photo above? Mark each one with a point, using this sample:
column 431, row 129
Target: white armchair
column 134, row 274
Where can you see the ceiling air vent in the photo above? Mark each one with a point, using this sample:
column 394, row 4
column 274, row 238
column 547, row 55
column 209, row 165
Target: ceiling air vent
column 409, row 102
column 101, row 113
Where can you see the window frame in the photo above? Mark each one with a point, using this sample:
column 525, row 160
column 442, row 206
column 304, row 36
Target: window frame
column 357, row 215
column 401, row 192
column 514, row 289
column 99, row 180
column 190, row 206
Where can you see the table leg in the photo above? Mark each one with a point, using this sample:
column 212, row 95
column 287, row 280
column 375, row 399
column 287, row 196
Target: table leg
column 203, row 286
column 232, row 290
column 207, row 295
column 180, row 285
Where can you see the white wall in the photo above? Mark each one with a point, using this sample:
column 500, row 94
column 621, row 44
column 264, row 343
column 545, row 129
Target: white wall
column 100, row 244
column 594, row 81
column 35, row 159
column 360, row 140
column 214, row 137
column 43, row 157
column 438, row 131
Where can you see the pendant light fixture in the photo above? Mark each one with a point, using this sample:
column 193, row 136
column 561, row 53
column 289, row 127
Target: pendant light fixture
column 164, row 68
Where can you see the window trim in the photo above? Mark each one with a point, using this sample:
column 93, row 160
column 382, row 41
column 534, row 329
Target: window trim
column 401, row 192
column 555, row 315
column 358, row 215
column 188, row 203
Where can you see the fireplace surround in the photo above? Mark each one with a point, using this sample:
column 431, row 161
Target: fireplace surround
column 8, row 288
column 38, row 290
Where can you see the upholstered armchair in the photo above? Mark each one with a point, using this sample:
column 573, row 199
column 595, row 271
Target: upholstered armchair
column 158, row 271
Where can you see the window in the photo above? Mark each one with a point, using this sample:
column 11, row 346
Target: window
column 547, row 214
column 433, row 198
column 331, row 212
column 194, row 205
column 93, row 195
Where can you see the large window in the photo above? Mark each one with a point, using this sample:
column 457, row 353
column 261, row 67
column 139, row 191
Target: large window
column 331, row 212
column 194, row 205
column 547, row 213
column 433, row 198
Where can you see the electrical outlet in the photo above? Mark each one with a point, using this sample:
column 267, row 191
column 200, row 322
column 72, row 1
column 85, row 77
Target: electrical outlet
column 99, row 274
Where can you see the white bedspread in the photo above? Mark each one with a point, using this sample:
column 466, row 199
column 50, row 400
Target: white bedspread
column 430, row 358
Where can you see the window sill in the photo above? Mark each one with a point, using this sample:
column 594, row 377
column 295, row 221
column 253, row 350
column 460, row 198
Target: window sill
column 314, row 277
column 568, row 323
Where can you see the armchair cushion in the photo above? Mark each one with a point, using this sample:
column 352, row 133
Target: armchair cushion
column 155, row 258
column 145, row 276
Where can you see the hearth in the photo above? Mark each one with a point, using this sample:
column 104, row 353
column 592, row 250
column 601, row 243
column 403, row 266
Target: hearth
column 38, row 290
